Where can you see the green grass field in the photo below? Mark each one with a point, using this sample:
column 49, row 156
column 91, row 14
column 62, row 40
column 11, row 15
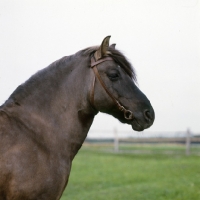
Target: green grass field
column 135, row 173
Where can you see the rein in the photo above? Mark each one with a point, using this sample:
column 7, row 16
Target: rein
column 127, row 113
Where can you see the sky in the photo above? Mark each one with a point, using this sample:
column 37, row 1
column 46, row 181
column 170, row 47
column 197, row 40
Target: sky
column 160, row 38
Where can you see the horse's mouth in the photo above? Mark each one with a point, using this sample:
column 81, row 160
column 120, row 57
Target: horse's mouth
column 136, row 125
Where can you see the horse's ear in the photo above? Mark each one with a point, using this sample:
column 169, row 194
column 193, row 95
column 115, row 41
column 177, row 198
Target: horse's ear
column 112, row 46
column 103, row 49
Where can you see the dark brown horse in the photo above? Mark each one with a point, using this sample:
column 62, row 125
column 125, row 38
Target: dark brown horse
column 46, row 120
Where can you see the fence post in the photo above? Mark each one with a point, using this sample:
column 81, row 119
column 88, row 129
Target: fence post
column 116, row 141
column 188, row 142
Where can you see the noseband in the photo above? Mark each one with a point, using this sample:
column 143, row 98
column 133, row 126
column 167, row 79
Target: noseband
column 127, row 113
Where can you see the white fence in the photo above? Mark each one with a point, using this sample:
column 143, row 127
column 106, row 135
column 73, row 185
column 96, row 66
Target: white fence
column 118, row 138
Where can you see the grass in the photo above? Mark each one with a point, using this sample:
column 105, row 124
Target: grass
column 100, row 174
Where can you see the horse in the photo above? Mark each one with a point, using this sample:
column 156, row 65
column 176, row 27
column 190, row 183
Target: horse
column 45, row 121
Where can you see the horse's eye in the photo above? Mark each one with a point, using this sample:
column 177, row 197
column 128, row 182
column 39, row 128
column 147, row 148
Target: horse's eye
column 113, row 76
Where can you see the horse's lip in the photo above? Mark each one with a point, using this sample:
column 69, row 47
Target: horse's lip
column 136, row 125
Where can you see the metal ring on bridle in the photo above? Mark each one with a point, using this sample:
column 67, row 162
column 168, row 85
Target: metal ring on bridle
column 128, row 114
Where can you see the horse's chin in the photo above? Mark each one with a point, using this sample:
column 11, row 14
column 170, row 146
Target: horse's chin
column 136, row 123
column 136, row 126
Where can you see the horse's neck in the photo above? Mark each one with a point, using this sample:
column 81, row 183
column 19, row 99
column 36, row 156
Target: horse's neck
column 60, row 118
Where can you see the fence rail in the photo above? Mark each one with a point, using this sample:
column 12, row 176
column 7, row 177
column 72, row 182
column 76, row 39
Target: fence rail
column 118, row 144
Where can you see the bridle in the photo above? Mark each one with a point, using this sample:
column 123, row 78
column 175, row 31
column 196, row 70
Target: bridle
column 127, row 113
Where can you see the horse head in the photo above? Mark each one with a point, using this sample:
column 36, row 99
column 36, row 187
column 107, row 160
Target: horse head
column 114, row 90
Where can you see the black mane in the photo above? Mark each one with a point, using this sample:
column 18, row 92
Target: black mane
column 54, row 70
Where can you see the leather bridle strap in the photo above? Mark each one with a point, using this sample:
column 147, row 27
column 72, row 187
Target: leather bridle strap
column 127, row 113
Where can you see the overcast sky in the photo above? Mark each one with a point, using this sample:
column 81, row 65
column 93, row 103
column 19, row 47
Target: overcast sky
column 160, row 38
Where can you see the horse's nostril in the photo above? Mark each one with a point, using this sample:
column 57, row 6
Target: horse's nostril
column 147, row 115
